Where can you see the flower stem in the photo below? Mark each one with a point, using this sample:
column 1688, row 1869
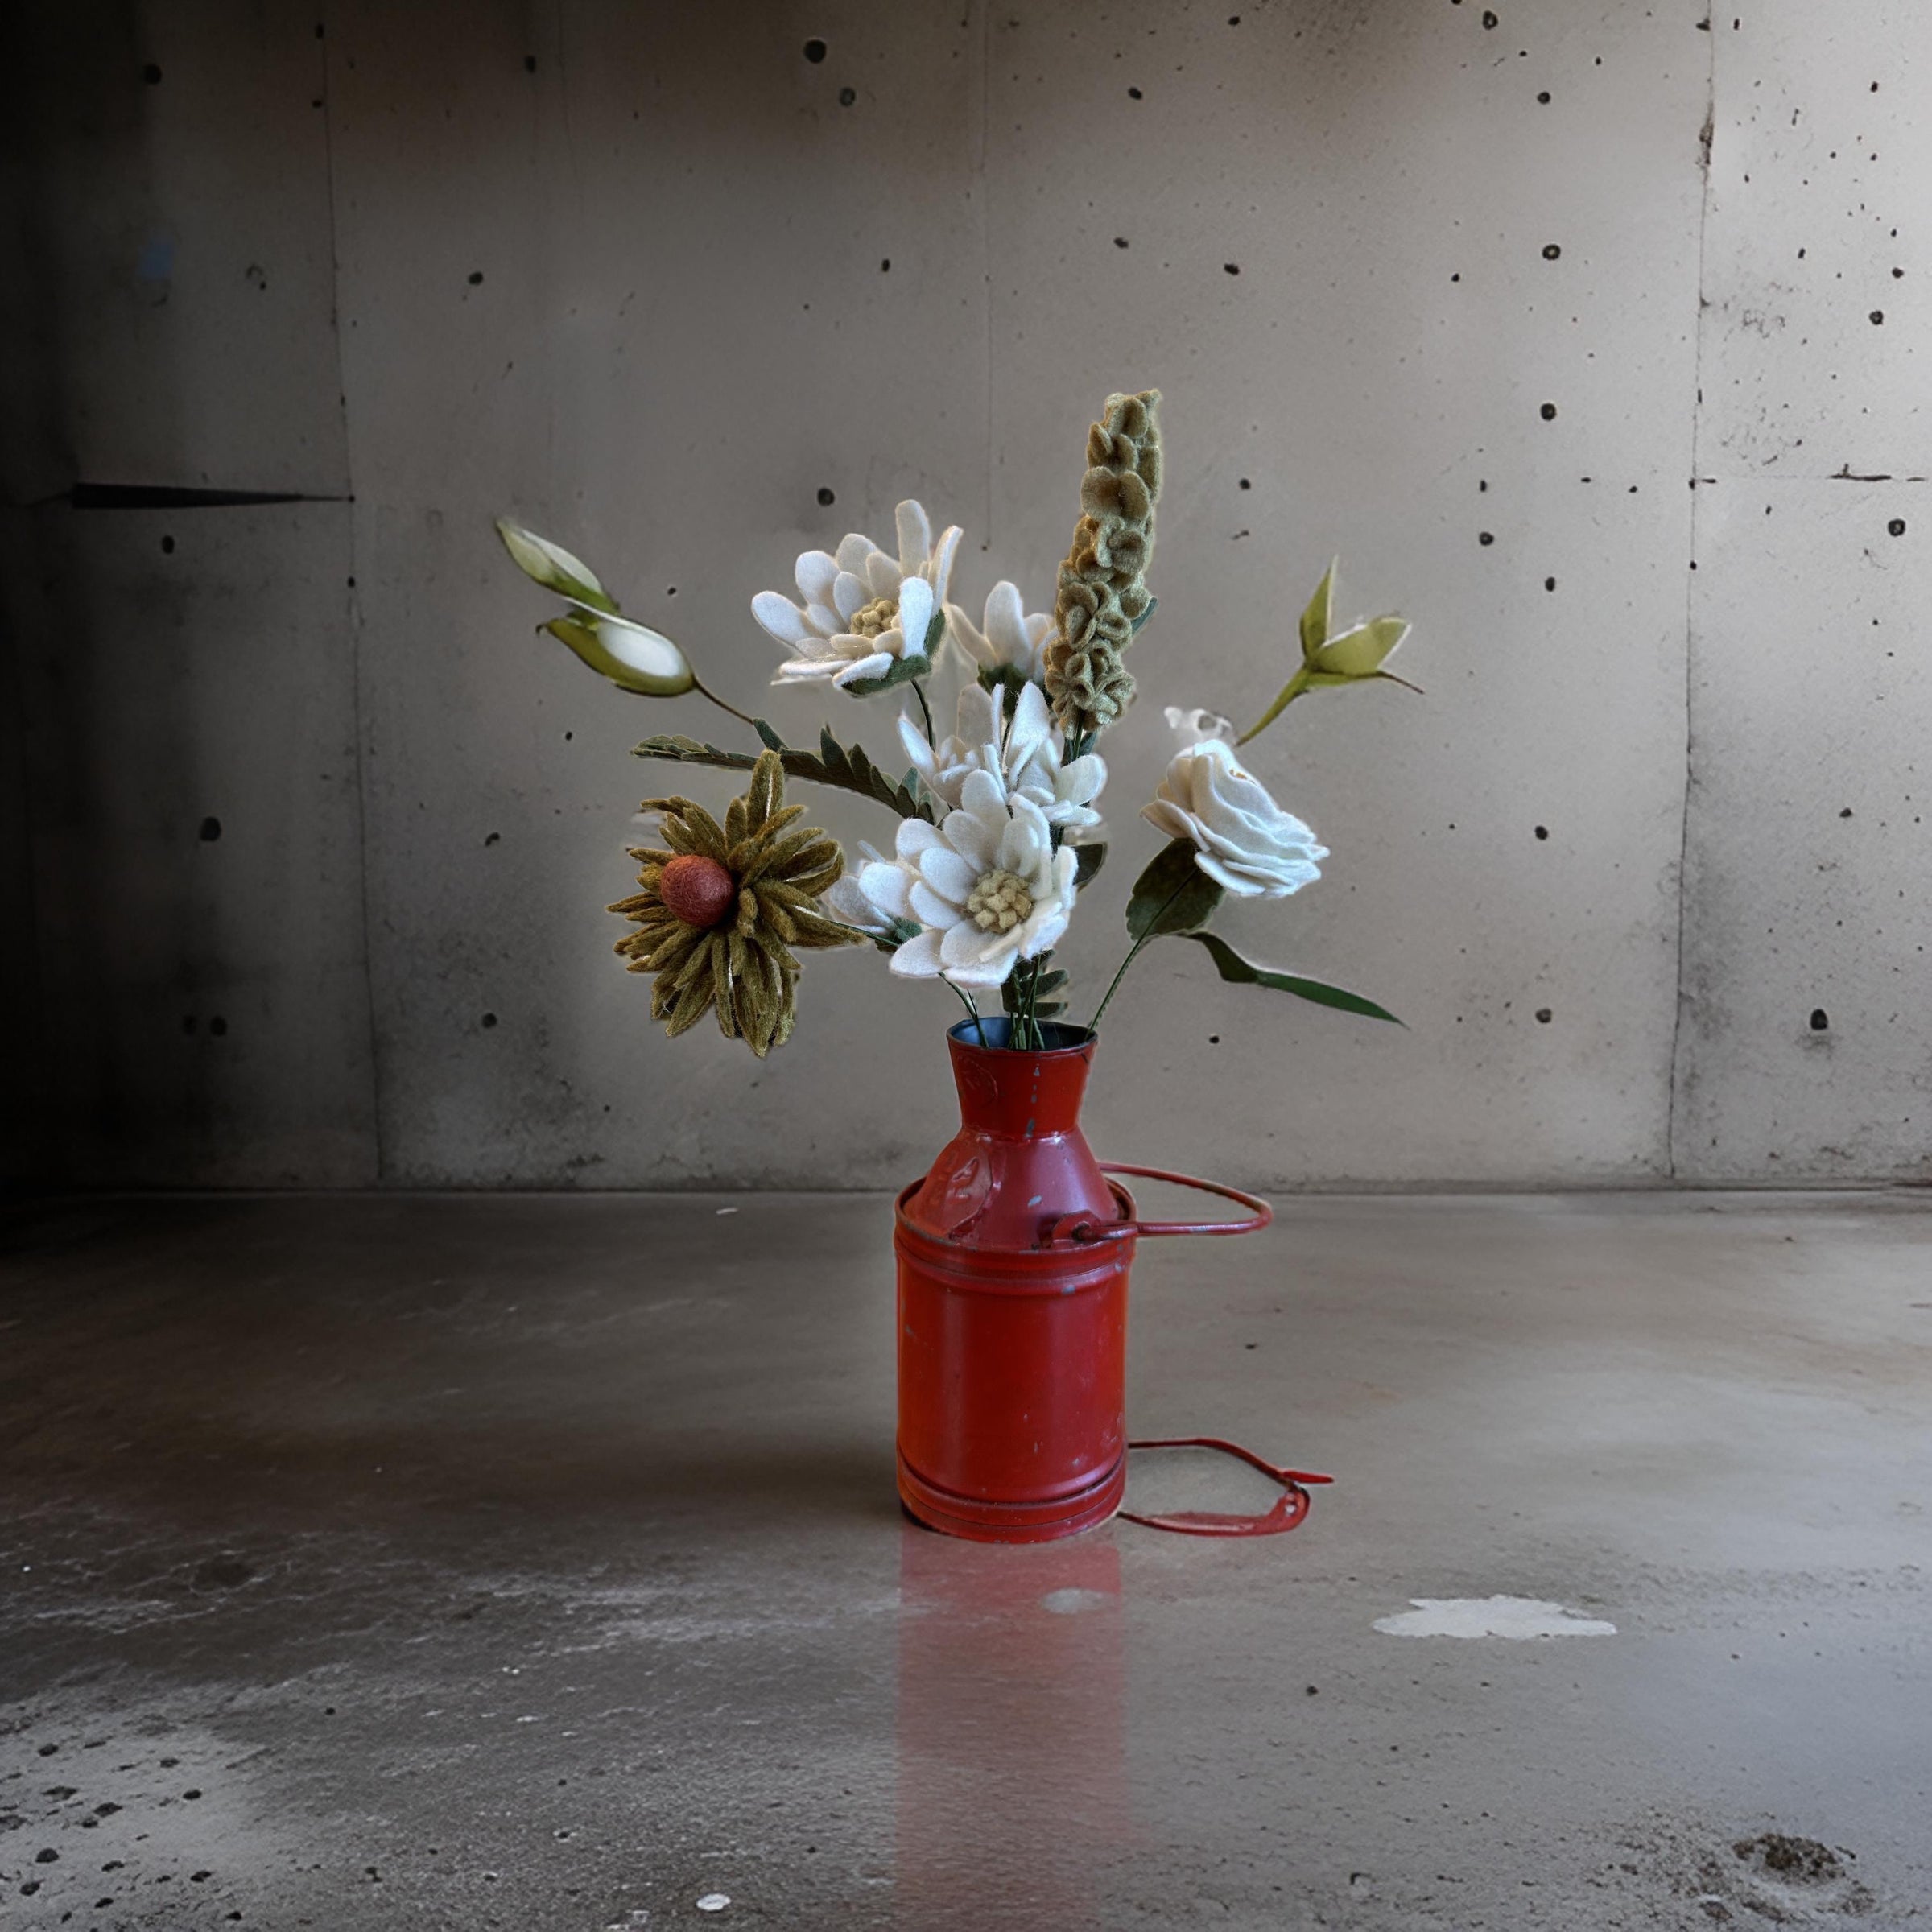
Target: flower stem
column 967, row 1001
column 1134, row 952
column 705, row 690
column 1293, row 689
column 919, row 691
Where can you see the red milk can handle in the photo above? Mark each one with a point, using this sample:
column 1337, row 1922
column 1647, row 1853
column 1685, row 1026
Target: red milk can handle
column 1083, row 1230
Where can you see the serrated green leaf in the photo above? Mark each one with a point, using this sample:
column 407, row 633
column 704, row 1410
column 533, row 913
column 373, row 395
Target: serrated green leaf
column 846, row 767
column 1239, row 971
column 553, row 567
column 1172, row 895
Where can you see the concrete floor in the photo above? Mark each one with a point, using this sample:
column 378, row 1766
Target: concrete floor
column 534, row 1562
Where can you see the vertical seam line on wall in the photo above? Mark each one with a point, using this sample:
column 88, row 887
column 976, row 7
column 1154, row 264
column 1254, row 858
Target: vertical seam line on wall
column 986, row 247
column 353, row 600
column 1707, row 140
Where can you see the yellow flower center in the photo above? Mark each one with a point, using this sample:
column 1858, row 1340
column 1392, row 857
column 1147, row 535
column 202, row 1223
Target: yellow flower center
column 999, row 902
column 880, row 615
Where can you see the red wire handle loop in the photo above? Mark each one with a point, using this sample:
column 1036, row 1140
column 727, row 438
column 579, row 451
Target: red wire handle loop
column 1287, row 1510
column 1083, row 1230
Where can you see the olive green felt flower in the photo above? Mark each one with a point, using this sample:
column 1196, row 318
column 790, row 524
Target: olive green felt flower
column 719, row 906
column 1103, row 598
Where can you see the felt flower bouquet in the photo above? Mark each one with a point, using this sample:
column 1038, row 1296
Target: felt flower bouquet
column 999, row 832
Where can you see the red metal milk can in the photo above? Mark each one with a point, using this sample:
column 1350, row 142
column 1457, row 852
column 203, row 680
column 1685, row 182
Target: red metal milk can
column 1014, row 1254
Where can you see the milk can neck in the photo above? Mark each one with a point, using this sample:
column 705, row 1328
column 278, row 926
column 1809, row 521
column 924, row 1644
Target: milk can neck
column 1020, row 1095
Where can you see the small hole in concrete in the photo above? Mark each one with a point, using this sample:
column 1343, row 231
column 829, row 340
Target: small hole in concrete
column 476, row 276
column 847, row 96
column 885, row 266
column 825, row 499
column 1485, row 536
column 1542, row 100
column 1542, row 1016
column 218, row 1027
column 1878, row 316
column 489, row 1019
column 1231, row 268
column 1897, row 527
column 1133, row 93
column 211, row 830
column 1542, row 832
column 1120, row 240
column 814, row 52
column 1548, row 412
column 530, row 64
column 1819, row 1021
column 1549, row 583
column 151, row 74
column 1551, row 251
column 167, row 546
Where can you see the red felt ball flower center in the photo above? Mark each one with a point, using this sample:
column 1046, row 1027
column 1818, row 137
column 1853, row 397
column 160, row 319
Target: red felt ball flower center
column 698, row 890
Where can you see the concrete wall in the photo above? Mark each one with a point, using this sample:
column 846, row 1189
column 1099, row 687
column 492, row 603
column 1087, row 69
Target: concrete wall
column 1643, row 871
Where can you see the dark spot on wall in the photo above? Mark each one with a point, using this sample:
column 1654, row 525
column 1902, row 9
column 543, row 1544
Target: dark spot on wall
column 1489, row 20
column 1543, row 1016
column 50, row 1857
column 1820, row 1021
column 1548, row 412
column 1549, row 583
column 218, row 1027
column 1214, row 1039
column 1897, row 527
column 1133, row 93
column 188, row 1022
column 1897, row 272
column 530, row 64
column 490, row 1020
column 167, row 546
column 211, row 830
column 1542, row 100
column 847, row 96
column 568, row 736
column 1456, row 277
column 1846, row 813
column 1542, row 832
column 495, row 838
column 1120, row 240
column 825, row 499
column 814, row 52
column 190, row 1795
column 1232, row 268
column 885, row 265
column 1878, row 316
column 476, row 276
column 151, row 74
column 1550, row 251
column 1485, row 536
column 1244, row 484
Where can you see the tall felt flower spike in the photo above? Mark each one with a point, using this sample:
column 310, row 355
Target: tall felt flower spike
column 1104, row 599
column 719, row 906
column 868, row 621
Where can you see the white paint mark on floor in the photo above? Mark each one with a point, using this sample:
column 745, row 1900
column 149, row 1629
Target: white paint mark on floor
column 1070, row 1603
column 1512, row 1617
column 714, row 1901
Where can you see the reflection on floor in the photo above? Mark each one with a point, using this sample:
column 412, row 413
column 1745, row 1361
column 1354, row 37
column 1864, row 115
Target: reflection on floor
column 535, row 1563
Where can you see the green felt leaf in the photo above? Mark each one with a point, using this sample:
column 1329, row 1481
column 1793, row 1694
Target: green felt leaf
column 1239, row 971
column 845, row 766
column 633, row 657
column 1361, row 652
column 1088, row 859
column 1134, row 628
column 1172, row 895
column 553, row 567
column 1320, row 613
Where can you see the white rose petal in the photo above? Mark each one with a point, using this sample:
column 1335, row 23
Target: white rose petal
column 1243, row 839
